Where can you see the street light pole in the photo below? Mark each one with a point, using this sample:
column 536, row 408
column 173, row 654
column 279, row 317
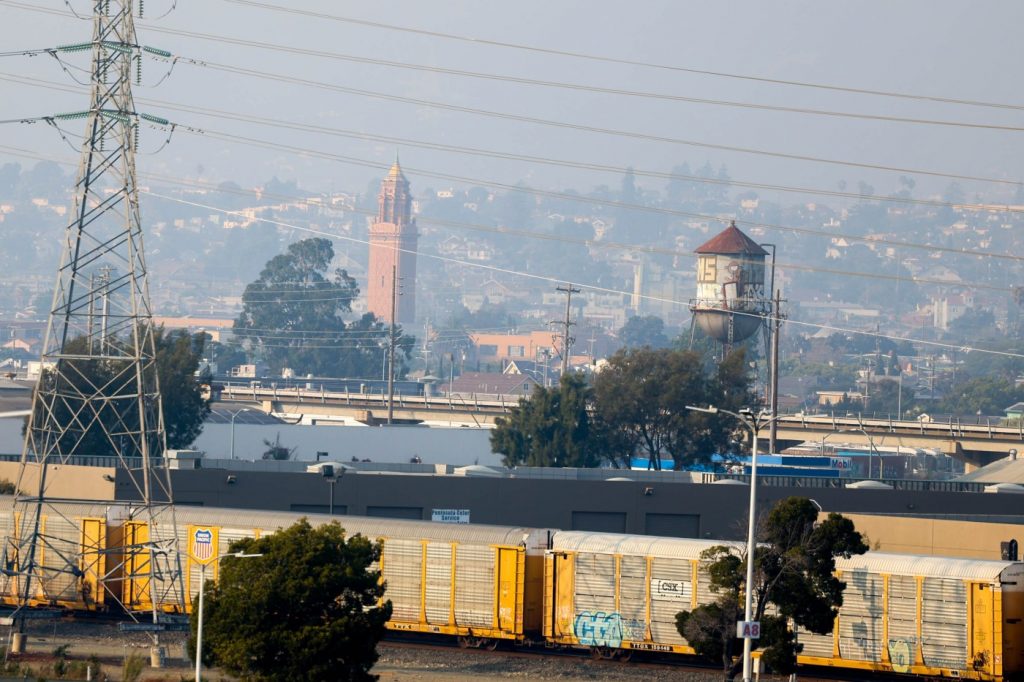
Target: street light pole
column 244, row 409
column 202, row 590
column 752, row 421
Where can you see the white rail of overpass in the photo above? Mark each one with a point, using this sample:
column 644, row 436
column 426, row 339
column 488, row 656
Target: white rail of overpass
column 459, row 402
column 949, row 428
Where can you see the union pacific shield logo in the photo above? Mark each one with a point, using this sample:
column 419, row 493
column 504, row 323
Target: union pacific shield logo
column 202, row 544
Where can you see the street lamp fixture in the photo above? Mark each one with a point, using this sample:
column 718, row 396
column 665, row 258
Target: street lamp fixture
column 244, row 409
column 332, row 473
column 754, row 422
column 202, row 586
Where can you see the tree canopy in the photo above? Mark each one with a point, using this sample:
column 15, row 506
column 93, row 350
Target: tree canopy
column 550, row 429
column 293, row 316
column 309, row 608
column 636, row 407
column 794, row 571
column 640, row 331
column 640, row 402
column 185, row 409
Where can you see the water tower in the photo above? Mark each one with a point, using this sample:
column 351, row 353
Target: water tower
column 731, row 300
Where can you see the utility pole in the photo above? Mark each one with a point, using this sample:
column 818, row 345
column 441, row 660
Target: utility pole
column 774, row 373
column 567, row 340
column 392, row 341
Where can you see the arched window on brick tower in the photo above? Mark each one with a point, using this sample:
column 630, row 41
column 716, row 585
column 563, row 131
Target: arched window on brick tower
column 393, row 241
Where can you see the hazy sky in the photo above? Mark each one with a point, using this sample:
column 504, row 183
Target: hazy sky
column 943, row 48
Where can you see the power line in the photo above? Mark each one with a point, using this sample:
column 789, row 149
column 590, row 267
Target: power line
column 628, row 62
column 787, row 320
column 528, row 119
column 626, row 246
column 590, row 200
column 263, row 45
column 323, row 54
column 475, row 151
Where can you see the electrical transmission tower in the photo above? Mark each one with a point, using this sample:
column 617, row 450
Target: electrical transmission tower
column 99, row 394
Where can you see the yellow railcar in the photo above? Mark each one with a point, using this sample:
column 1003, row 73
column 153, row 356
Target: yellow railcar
column 926, row 616
column 478, row 583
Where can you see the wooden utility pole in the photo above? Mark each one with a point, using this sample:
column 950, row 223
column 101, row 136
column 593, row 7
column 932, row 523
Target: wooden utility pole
column 774, row 374
column 391, row 345
column 567, row 340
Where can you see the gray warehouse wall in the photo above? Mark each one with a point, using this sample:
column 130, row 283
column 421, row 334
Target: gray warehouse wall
column 678, row 509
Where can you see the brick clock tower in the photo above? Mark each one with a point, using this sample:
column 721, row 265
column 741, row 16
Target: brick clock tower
column 393, row 239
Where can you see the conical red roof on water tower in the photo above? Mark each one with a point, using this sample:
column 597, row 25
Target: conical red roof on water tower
column 731, row 240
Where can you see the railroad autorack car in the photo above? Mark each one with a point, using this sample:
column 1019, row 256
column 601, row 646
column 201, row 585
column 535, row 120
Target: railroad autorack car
column 619, row 593
column 478, row 583
column 921, row 615
column 928, row 616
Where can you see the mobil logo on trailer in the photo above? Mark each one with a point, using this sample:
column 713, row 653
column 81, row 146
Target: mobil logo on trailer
column 202, row 545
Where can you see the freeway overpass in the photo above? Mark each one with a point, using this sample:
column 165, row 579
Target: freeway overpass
column 322, row 406
column 976, row 444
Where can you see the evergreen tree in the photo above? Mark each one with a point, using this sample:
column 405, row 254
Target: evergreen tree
column 551, row 428
column 292, row 316
column 794, row 570
column 309, row 608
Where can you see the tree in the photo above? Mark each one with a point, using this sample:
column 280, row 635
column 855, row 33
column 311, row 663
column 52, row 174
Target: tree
column 292, row 315
column 794, row 570
column 888, row 396
column 551, row 428
column 640, row 402
column 185, row 409
column 308, row 609
column 644, row 331
column 985, row 395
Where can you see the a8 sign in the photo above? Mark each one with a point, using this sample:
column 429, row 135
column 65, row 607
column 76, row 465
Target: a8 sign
column 748, row 629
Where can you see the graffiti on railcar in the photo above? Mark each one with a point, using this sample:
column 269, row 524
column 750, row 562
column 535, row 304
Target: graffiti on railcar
column 607, row 629
column 899, row 655
column 598, row 629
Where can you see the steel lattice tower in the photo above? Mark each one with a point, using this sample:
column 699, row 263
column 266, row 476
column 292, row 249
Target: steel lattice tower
column 99, row 393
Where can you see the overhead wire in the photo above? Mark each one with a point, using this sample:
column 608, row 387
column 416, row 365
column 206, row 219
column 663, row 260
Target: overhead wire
column 262, row 74
column 573, row 197
column 640, row 172
column 787, row 320
column 604, row 244
column 574, row 54
column 597, row 201
column 627, row 62
column 338, row 56
column 770, row 317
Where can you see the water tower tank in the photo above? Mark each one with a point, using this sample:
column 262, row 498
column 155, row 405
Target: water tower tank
column 731, row 297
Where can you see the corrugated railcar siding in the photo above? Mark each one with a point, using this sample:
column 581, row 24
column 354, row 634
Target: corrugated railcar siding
column 474, row 593
column 403, row 564
column 595, row 583
column 860, row 619
column 633, row 597
column 902, row 642
column 439, row 582
column 61, row 548
column 664, row 610
column 944, row 623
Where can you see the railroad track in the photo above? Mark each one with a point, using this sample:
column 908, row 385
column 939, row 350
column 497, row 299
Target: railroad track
column 640, row 660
